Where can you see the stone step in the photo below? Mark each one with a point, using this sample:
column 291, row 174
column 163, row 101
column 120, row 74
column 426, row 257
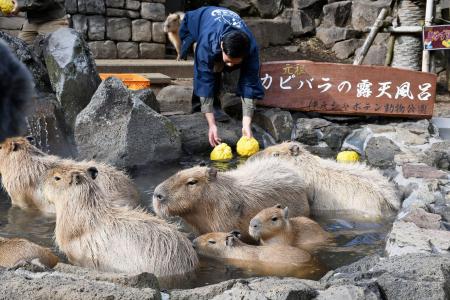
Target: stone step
column 157, row 78
column 172, row 68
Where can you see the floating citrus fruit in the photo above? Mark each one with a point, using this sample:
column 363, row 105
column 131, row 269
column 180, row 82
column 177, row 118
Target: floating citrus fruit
column 221, row 152
column 247, row 146
column 6, row 6
column 347, row 156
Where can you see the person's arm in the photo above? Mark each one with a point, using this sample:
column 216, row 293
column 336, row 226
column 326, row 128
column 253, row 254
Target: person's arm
column 248, row 108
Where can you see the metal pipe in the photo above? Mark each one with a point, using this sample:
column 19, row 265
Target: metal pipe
column 428, row 18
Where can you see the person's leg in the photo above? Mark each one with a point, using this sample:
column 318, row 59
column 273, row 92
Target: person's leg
column 28, row 32
column 52, row 26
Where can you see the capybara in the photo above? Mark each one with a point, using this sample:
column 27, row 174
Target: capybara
column 171, row 27
column 18, row 251
column 265, row 260
column 23, row 166
column 212, row 201
column 272, row 226
column 95, row 234
column 333, row 186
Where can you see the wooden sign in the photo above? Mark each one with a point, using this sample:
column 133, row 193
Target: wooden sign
column 348, row 89
column 436, row 37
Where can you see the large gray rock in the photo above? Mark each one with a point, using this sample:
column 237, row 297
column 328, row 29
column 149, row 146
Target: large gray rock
column 194, row 132
column 97, row 28
column 270, row 32
column 153, row 11
column 30, row 60
column 413, row 276
column 115, row 3
column 421, row 218
column 439, row 155
column 365, row 12
column 239, row 6
column 79, row 23
column 127, row 50
column 118, row 29
column 347, row 48
column 119, row 129
column 72, row 71
column 301, row 4
column 268, row 8
column 158, row 34
column 95, row 7
column 133, row 4
column 175, row 99
column 252, row 288
column 375, row 56
column 406, row 238
column 148, row 97
column 331, row 35
column 380, row 152
column 356, row 141
column 301, row 23
column 152, row 50
column 141, row 30
column 348, row 292
column 106, row 49
column 117, row 12
column 308, row 131
column 278, row 123
column 337, row 14
column 423, row 171
column 71, row 6
column 335, row 135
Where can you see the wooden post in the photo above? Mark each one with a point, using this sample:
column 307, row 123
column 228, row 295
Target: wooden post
column 369, row 40
column 428, row 18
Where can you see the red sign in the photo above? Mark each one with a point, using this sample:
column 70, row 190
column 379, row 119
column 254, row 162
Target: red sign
column 436, row 37
column 348, row 89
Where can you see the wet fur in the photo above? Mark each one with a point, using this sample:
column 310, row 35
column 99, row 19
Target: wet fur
column 334, row 186
column 15, row 251
column 223, row 201
column 95, row 234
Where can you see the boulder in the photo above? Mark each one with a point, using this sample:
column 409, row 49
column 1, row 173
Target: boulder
column 421, row 218
column 347, row 48
column 380, row 152
column 175, row 99
column 239, row 6
column 118, row 29
column 331, row 35
column 152, row 50
column 335, row 135
column 356, row 141
column 406, row 238
column 423, row 195
column 95, row 7
column 423, row 171
column 127, row 50
column 308, row 131
column 106, row 49
column 337, row 14
column 79, row 23
column 301, row 23
column 365, row 12
column 71, row 6
column 312, row 8
column 30, row 60
column 348, row 292
column 375, row 56
column 439, row 155
column 153, row 11
column 72, row 71
column 119, row 129
column 141, row 30
column 148, row 97
column 133, row 4
column 97, row 28
column 268, row 8
column 278, row 123
column 270, row 32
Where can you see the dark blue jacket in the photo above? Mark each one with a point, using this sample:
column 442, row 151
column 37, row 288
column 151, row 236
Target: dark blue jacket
column 206, row 26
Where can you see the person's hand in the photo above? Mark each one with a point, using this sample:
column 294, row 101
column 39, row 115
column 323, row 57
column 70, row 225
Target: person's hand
column 15, row 10
column 214, row 139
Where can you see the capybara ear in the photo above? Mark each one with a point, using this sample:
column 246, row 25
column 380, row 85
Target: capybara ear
column 231, row 239
column 30, row 138
column 93, row 172
column 235, row 233
column 202, row 164
column 286, row 212
column 211, row 173
column 278, row 205
column 295, row 150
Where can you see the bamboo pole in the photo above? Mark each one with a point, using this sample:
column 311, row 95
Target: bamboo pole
column 428, row 18
column 370, row 38
column 390, row 50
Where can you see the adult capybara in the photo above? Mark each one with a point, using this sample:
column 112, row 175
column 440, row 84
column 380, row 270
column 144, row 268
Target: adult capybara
column 18, row 251
column 172, row 27
column 211, row 201
column 23, row 166
column 95, row 234
column 272, row 226
column 334, row 186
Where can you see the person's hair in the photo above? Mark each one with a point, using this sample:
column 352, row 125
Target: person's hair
column 236, row 44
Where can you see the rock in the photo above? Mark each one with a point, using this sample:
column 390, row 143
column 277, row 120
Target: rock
column 133, row 4
column 116, row 12
column 442, row 210
column 347, row 48
column 422, row 196
column 308, row 131
column 269, row 32
column 312, row 8
column 106, row 49
column 406, row 238
column 301, row 23
column 356, row 141
column 300, row 4
column 95, row 7
column 71, row 6
column 252, row 288
column 23, row 284
column 80, row 24
column 97, row 28
column 348, row 292
column 30, row 60
column 291, row 49
column 407, row 137
column 148, row 97
column 365, row 12
column 158, row 34
column 380, row 152
column 268, row 8
column 329, row 36
column 175, row 99
column 115, row 3
column 127, row 50
column 276, row 122
column 121, row 130
column 334, row 136
column 72, row 71
column 439, row 155
column 421, row 218
column 153, row 11
column 322, row 150
column 412, row 276
column 238, row 6
column 337, row 14
column 141, row 30
column 375, row 56
column 118, row 29
column 82, row 6
column 422, row 171
column 152, row 50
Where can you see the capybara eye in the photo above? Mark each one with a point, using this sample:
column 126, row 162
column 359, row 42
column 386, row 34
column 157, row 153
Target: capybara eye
column 57, row 178
column 212, row 241
column 274, row 219
column 276, row 154
column 192, row 182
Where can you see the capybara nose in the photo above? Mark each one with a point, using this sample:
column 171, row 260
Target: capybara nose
column 255, row 224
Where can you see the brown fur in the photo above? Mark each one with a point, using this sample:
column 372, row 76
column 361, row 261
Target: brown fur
column 16, row 251
column 171, row 27
column 332, row 186
column 23, row 166
column 222, row 201
column 271, row 226
column 95, row 234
